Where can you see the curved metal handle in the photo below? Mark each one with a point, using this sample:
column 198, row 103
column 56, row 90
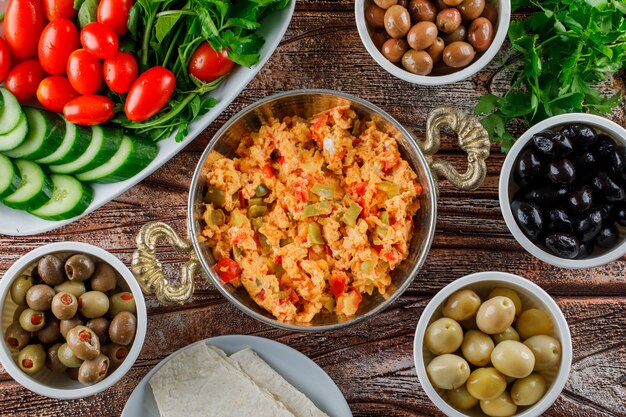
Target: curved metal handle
column 473, row 139
column 149, row 271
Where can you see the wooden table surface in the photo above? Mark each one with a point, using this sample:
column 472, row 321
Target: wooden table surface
column 371, row 362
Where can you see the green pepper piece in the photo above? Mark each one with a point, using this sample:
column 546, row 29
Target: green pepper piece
column 237, row 253
column 389, row 188
column 351, row 215
column 215, row 196
column 279, row 271
column 237, row 219
column 315, row 234
column 218, row 217
column 284, row 242
column 257, row 223
column 256, row 201
column 367, row 267
column 265, row 247
column 323, row 191
column 384, row 217
column 256, row 211
column 310, row 210
column 261, row 191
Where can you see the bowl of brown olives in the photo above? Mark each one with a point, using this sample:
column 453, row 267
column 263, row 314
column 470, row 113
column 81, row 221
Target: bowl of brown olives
column 563, row 191
column 73, row 320
column 492, row 344
column 433, row 42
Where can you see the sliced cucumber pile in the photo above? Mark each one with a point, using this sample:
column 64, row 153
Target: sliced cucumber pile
column 77, row 139
column 70, row 198
column 45, row 135
column 104, row 144
column 10, row 178
column 10, row 111
column 34, row 190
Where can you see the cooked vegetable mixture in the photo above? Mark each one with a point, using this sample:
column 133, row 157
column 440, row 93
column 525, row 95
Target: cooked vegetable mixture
column 312, row 214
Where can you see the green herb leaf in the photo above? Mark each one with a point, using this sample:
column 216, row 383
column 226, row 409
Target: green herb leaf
column 164, row 25
column 87, row 12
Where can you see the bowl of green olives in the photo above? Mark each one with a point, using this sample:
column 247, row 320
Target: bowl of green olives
column 433, row 42
column 492, row 344
column 73, row 320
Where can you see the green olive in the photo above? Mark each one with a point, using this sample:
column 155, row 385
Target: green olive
column 50, row 269
column 93, row 370
column 508, row 334
column 511, row 295
column 533, row 322
column 461, row 305
column 52, row 360
column 546, row 350
column 100, row 327
column 79, row 267
column 104, row 278
column 50, row 333
column 75, row 288
column 122, row 329
column 19, row 287
column 513, row 359
column 502, row 406
column 486, row 383
column 67, row 357
column 83, row 342
column 448, row 371
column 115, row 353
column 443, row 336
column 461, row 398
column 477, row 348
column 16, row 337
column 529, row 390
column 495, row 315
column 64, row 306
column 122, row 301
column 67, row 325
column 39, row 297
column 31, row 359
column 93, row 304
column 32, row 320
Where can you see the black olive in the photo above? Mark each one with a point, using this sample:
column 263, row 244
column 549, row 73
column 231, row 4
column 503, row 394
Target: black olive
column 581, row 199
column 607, row 237
column 544, row 143
column 605, row 149
column 607, row 188
column 588, row 226
column 545, row 195
column 620, row 215
column 563, row 245
column 584, row 162
column 528, row 165
column 562, row 144
column 586, row 248
column 618, row 159
column 529, row 219
column 606, row 210
column 561, row 172
column 560, row 221
column 582, row 136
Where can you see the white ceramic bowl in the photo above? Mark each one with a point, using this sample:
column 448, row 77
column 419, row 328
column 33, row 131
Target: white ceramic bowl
column 45, row 382
column 532, row 296
column 507, row 189
column 501, row 29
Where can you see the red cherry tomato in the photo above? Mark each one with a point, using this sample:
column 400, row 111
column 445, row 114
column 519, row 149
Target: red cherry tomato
column 53, row 9
column 58, row 40
column 208, row 65
column 23, row 23
column 84, row 72
column 114, row 14
column 149, row 93
column 99, row 40
column 5, row 60
column 120, row 72
column 227, row 269
column 55, row 92
column 24, row 79
column 89, row 110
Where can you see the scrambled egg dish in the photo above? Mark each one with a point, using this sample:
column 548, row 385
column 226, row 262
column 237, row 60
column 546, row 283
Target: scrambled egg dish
column 312, row 214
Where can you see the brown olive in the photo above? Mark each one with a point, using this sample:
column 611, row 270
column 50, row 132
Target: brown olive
column 83, row 342
column 16, row 337
column 72, row 373
column 448, row 20
column 115, row 353
column 31, row 359
column 93, row 304
column 440, row 4
column 67, row 325
column 122, row 301
column 50, row 333
column 104, row 277
column 393, row 49
column 73, row 287
column 67, row 357
column 52, row 360
column 379, row 37
column 122, row 328
column 100, row 327
column 375, row 16
column 19, row 288
column 64, row 306
column 453, row 2
column 93, row 370
column 18, row 312
column 422, row 11
column 471, row 9
column 403, row 3
column 436, row 50
column 39, row 297
column 460, row 34
column 50, row 269
column 458, row 54
column 385, row 4
column 417, row 62
column 397, row 21
column 79, row 267
column 422, row 35
column 490, row 12
column 480, row 34
column 32, row 320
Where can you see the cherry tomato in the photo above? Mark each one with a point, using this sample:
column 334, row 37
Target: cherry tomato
column 5, row 60
column 120, row 72
column 149, row 93
column 53, row 9
column 227, row 269
column 55, row 92
column 58, row 40
column 208, row 65
column 89, row 110
column 99, row 40
column 23, row 23
column 114, row 14
column 24, row 79
column 84, row 72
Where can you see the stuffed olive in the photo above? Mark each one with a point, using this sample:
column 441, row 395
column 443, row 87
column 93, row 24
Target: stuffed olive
column 100, row 327
column 64, row 305
column 19, row 288
column 104, row 278
column 122, row 329
column 93, row 370
column 31, row 359
column 39, row 297
column 79, row 267
column 32, row 320
column 83, row 342
column 67, row 325
column 51, row 270
column 75, row 288
column 67, row 357
column 115, row 353
column 16, row 337
column 122, row 301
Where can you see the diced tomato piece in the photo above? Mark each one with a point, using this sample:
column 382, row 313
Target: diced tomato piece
column 242, row 200
column 297, row 279
column 301, row 190
column 278, row 260
column 360, row 189
column 329, row 251
column 228, row 269
column 281, row 160
column 377, row 248
column 268, row 170
column 262, row 294
column 318, row 123
column 338, row 284
column 390, row 256
column 293, row 297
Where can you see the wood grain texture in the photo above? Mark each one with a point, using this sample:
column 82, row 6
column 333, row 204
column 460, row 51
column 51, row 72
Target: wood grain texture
column 371, row 362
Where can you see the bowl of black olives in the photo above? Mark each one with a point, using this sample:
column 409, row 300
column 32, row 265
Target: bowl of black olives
column 563, row 191
column 73, row 320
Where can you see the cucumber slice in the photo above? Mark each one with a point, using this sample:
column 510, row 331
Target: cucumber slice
column 133, row 156
column 75, row 142
column 15, row 137
column 10, row 113
column 35, row 188
column 9, row 176
column 45, row 134
column 70, row 199
column 104, row 144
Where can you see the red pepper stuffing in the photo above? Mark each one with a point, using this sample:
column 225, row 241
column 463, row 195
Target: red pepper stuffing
column 126, row 297
column 36, row 319
column 12, row 341
column 66, row 299
column 84, row 336
column 27, row 363
column 121, row 353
